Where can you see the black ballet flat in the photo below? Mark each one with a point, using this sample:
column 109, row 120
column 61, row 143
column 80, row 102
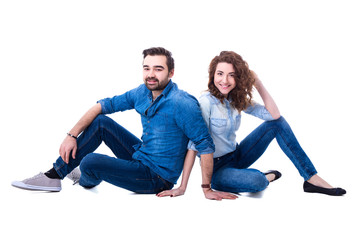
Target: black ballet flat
column 310, row 188
column 276, row 173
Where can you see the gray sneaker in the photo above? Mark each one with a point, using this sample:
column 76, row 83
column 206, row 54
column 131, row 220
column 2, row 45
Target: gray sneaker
column 74, row 175
column 39, row 182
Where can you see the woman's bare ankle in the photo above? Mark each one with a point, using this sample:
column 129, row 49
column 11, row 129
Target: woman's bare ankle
column 270, row 177
column 318, row 181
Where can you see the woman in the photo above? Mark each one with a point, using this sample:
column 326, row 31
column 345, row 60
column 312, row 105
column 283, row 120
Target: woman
column 230, row 92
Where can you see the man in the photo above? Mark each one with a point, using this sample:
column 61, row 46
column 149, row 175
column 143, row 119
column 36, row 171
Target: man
column 170, row 117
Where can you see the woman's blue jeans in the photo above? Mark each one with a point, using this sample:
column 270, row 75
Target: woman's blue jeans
column 231, row 173
column 122, row 171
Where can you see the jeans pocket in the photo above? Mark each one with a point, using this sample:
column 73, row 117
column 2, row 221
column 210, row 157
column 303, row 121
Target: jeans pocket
column 152, row 183
column 166, row 185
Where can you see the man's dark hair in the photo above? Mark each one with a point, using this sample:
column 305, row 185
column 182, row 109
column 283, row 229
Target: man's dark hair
column 156, row 51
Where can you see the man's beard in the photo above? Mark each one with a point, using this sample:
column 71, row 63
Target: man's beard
column 155, row 87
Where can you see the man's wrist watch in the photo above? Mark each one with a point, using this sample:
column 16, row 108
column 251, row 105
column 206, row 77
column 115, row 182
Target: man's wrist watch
column 205, row 185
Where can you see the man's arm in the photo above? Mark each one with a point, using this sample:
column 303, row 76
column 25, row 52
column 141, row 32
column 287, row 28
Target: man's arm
column 197, row 130
column 207, row 164
column 69, row 145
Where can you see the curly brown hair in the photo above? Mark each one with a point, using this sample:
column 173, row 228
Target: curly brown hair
column 241, row 95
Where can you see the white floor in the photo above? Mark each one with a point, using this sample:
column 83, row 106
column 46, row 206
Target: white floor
column 282, row 211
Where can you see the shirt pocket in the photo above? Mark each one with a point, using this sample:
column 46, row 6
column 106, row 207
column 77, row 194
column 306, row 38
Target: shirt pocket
column 218, row 125
column 160, row 122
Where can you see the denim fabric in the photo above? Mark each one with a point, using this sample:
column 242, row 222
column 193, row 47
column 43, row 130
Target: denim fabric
column 223, row 121
column 168, row 124
column 122, row 171
column 231, row 173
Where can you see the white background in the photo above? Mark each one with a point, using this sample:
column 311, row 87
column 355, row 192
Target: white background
column 57, row 58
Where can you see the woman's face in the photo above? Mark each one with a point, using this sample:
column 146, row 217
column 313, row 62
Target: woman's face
column 224, row 78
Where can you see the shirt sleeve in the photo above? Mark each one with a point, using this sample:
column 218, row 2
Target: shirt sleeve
column 190, row 119
column 118, row 103
column 259, row 111
column 205, row 112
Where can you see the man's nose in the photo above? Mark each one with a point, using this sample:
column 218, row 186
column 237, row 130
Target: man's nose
column 151, row 73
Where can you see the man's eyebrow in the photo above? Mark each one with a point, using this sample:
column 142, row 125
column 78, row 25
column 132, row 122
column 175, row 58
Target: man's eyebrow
column 155, row 66
column 159, row 66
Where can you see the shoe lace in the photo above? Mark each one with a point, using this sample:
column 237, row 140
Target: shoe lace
column 74, row 176
column 36, row 176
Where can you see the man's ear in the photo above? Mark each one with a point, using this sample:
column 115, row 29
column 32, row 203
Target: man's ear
column 171, row 73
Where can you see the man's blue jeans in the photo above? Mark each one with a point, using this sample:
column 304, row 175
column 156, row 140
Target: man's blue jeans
column 231, row 173
column 122, row 171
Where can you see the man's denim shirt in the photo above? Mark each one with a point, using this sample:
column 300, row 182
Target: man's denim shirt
column 168, row 124
column 223, row 121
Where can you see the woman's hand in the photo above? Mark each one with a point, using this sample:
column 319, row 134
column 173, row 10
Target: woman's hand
column 216, row 195
column 257, row 83
column 172, row 193
column 188, row 164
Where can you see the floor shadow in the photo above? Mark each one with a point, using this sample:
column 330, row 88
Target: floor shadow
column 253, row 195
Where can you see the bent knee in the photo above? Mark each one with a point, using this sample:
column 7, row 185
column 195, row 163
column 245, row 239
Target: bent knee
column 89, row 162
column 101, row 118
column 259, row 183
column 278, row 118
column 240, row 180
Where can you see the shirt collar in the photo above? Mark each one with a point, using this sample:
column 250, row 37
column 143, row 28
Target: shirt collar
column 168, row 88
column 217, row 101
column 165, row 92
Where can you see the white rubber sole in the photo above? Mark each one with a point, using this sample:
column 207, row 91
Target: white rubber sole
column 22, row 185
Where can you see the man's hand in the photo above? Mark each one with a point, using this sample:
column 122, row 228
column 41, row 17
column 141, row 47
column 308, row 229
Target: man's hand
column 215, row 195
column 172, row 193
column 68, row 146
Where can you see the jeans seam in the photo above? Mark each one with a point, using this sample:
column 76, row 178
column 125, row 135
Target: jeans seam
column 293, row 153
